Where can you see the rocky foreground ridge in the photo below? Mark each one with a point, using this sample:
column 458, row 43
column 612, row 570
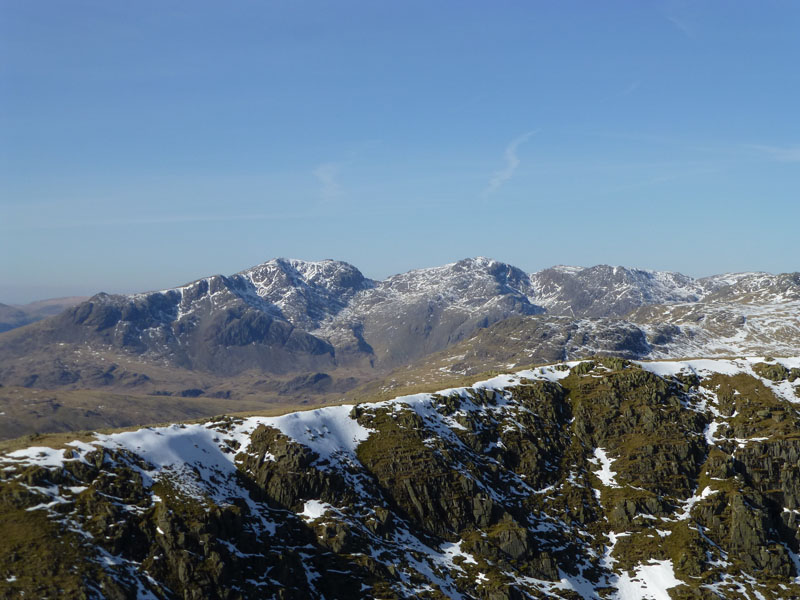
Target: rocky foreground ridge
column 596, row 479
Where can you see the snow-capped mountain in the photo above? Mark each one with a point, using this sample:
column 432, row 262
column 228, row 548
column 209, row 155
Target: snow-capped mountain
column 290, row 316
column 307, row 292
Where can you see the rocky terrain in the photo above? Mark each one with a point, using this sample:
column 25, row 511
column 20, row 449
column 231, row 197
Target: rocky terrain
column 294, row 332
column 589, row 479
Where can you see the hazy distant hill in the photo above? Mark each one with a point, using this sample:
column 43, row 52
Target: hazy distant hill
column 17, row 315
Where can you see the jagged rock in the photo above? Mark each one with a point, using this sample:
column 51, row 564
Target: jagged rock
column 502, row 490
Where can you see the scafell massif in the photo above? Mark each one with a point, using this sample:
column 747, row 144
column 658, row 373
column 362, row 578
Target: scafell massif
column 289, row 315
column 595, row 479
column 287, row 332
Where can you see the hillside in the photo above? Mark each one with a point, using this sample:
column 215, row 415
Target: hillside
column 593, row 479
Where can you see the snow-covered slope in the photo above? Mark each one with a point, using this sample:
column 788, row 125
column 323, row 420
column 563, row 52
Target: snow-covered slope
column 721, row 328
column 472, row 285
column 759, row 288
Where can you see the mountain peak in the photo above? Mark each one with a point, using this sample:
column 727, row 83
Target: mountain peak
column 305, row 268
column 306, row 291
column 477, row 261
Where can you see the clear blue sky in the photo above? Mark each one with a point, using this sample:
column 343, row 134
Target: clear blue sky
column 145, row 144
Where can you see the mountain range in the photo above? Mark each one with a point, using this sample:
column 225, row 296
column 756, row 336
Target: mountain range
column 292, row 331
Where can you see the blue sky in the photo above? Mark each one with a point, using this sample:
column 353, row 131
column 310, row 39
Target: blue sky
column 145, row 144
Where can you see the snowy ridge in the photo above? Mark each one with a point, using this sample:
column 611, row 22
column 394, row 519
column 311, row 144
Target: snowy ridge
column 459, row 282
column 329, row 295
column 305, row 291
column 328, row 431
column 786, row 390
column 332, row 293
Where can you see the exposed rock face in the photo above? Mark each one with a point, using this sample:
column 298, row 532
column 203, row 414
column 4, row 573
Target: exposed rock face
column 569, row 481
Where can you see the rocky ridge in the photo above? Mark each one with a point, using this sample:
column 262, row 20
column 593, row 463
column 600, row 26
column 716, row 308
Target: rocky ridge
column 590, row 479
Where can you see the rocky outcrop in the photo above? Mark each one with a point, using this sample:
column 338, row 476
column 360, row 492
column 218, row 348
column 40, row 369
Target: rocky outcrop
column 560, row 481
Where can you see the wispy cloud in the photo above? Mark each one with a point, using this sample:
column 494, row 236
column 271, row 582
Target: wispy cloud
column 632, row 87
column 499, row 178
column 682, row 26
column 328, row 176
column 785, row 154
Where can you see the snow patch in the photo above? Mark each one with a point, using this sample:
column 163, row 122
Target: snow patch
column 605, row 474
column 650, row 582
column 702, row 366
column 709, row 432
column 453, row 549
column 327, row 431
column 314, row 509
column 38, row 455
column 689, row 504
